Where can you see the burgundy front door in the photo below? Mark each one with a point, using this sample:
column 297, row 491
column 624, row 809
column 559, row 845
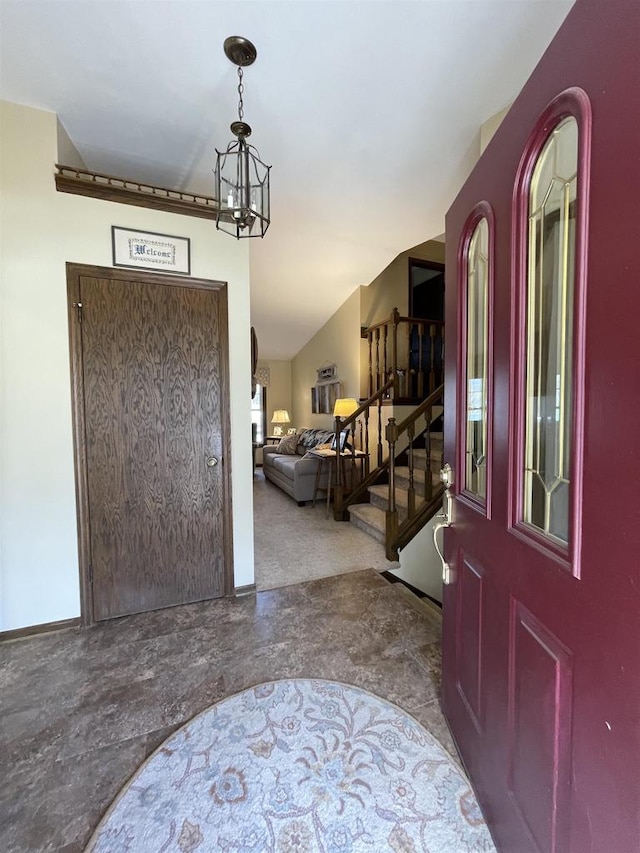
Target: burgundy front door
column 542, row 606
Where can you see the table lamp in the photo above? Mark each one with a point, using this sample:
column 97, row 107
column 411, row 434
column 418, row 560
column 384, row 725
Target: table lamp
column 344, row 406
column 280, row 416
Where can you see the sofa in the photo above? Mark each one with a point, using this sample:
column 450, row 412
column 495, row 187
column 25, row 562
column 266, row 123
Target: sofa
column 290, row 466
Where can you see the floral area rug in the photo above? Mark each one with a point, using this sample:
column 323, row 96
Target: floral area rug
column 295, row 766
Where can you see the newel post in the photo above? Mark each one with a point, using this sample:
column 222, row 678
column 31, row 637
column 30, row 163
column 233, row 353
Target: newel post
column 338, row 489
column 392, row 511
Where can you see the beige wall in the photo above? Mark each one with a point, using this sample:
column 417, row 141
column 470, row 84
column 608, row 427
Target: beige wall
column 420, row 564
column 68, row 154
column 40, row 230
column 337, row 342
column 390, row 289
column 279, row 391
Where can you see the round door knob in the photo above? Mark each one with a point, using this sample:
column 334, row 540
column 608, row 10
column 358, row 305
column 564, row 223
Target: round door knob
column 212, row 461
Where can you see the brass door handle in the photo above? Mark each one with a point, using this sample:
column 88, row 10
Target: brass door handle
column 441, row 523
column 444, row 519
column 212, row 461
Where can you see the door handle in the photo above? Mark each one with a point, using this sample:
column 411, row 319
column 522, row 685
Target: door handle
column 212, row 461
column 444, row 519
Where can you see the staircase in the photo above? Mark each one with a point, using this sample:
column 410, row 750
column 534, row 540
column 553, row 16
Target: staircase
column 372, row 517
column 403, row 492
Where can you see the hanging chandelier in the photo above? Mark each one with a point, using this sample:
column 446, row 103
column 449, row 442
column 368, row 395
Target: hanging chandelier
column 241, row 178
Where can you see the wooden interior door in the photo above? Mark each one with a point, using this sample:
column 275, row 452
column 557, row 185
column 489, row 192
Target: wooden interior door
column 541, row 652
column 150, row 356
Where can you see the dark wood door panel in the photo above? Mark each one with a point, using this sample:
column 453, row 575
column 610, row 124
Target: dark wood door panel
column 153, row 397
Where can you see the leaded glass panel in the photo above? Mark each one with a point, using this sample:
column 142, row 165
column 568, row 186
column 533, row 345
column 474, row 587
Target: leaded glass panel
column 476, row 367
column 549, row 330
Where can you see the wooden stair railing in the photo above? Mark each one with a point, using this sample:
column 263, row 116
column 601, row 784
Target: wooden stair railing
column 340, row 502
column 397, row 535
column 409, row 349
column 406, row 357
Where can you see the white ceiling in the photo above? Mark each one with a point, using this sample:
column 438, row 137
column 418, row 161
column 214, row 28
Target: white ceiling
column 368, row 111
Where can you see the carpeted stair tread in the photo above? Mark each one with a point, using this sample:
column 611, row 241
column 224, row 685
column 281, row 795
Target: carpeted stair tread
column 379, row 496
column 403, row 471
column 421, row 461
column 369, row 518
column 402, row 479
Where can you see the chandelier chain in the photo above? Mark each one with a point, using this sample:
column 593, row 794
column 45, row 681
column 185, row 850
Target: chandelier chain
column 240, row 91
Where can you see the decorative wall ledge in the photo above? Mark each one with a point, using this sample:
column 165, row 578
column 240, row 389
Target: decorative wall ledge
column 126, row 191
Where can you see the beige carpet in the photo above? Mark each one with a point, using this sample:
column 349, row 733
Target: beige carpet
column 295, row 544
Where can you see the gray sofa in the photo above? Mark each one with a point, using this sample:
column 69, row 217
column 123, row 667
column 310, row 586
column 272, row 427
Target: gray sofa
column 296, row 473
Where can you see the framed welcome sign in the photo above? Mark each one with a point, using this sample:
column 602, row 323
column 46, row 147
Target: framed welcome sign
column 150, row 251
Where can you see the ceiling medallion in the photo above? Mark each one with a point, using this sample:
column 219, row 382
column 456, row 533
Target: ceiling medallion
column 241, row 178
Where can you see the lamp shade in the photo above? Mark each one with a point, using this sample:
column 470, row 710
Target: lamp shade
column 281, row 416
column 344, row 406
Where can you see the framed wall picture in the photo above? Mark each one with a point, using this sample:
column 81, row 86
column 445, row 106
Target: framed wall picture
column 327, row 373
column 333, row 393
column 150, row 251
column 324, row 396
column 327, row 396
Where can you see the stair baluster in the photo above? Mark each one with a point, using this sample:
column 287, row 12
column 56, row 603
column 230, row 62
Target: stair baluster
column 428, row 480
column 411, row 493
column 338, row 489
column 395, row 319
column 379, row 433
column 410, row 371
column 432, row 372
column 385, row 374
column 420, row 360
column 391, row 516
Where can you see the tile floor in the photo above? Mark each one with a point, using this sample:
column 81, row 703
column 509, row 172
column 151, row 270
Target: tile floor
column 81, row 709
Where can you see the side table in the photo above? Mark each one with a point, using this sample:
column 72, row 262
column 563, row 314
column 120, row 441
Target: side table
column 327, row 457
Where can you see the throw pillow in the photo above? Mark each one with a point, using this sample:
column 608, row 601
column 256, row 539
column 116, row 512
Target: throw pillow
column 288, row 445
column 312, row 437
